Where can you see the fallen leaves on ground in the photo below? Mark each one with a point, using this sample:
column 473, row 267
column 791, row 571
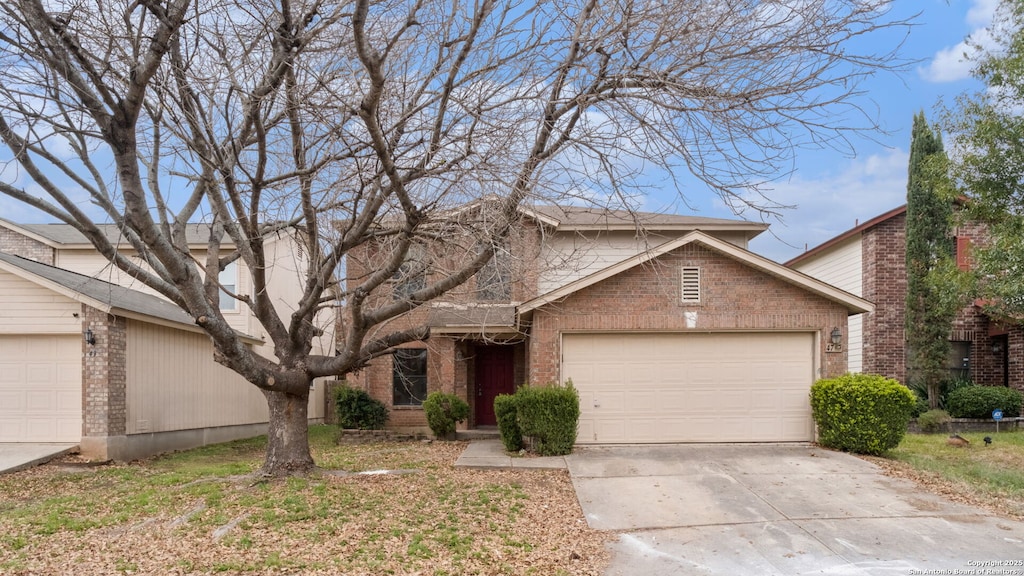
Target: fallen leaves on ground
column 961, row 492
column 158, row 518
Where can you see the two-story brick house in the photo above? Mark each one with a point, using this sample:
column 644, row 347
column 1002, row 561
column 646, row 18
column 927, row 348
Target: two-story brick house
column 667, row 325
column 90, row 356
column 869, row 260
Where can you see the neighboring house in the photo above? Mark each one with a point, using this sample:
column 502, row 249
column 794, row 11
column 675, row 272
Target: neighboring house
column 679, row 334
column 89, row 355
column 870, row 261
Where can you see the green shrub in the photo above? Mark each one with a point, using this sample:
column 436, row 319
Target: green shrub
column 861, row 413
column 508, row 425
column 357, row 409
column 443, row 411
column 933, row 421
column 920, row 407
column 548, row 415
column 980, row 401
column 945, row 387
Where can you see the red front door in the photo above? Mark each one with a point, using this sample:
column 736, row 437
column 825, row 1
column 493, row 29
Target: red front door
column 494, row 365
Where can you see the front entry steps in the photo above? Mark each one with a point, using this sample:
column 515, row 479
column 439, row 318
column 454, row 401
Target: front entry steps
column 478, row 433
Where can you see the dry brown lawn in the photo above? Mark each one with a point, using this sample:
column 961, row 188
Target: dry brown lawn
column 201, row 512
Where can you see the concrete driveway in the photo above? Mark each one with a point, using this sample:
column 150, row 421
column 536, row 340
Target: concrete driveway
column 779, row 509
column 18, row 456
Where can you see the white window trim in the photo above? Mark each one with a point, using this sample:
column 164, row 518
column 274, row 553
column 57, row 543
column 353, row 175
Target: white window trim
column 689, row 285
column 225, row 279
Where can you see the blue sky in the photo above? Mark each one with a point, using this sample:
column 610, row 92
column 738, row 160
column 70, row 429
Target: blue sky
column 832, row 192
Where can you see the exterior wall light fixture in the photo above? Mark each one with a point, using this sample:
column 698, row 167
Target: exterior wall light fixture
column 90, row 337
column 837, row 336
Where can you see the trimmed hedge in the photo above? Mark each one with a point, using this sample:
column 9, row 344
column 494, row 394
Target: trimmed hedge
column 861, row 413
column 549, row 415
column 358, row 410
column 933, row 421
column 980, row 401
column 443, row 411
column 508, row 424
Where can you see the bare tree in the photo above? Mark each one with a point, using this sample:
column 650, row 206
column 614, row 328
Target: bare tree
column 356, row 121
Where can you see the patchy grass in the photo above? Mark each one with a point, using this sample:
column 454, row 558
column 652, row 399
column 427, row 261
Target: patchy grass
column 201, row 512
column 988, row 476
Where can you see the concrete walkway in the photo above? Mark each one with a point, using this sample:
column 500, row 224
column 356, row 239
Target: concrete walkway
column 21, row 455
column 490, row 454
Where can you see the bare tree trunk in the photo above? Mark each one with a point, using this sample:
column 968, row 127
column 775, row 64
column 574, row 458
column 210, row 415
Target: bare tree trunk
column 934, row 391
column 288, row 434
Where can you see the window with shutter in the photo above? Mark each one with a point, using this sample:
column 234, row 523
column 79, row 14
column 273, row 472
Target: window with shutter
column 963, row 252
column 691, row 286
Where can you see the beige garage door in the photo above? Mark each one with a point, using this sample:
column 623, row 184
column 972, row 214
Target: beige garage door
column 733, row 387
column 40, row 388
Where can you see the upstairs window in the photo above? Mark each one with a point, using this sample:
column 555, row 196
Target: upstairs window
column 962, row 251
column 690, row 286
column 228, row 279
column 411, row 276
column 494, row 280
column 409, row 377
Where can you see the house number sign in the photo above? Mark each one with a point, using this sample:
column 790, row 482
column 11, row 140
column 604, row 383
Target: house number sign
column 830, row 347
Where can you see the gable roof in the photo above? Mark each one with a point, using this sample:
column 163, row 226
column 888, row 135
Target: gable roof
column 66, row 236
column 846, row 235
column 102, row 295
column 572, row 218
column 853, row 304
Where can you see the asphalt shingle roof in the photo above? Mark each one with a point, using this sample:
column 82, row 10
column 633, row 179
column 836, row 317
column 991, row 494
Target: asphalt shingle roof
column 572, row 216
column 110, row 294
column 66, row 235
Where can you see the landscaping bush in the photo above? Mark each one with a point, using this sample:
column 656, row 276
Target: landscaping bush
column 920, row 407
column 443, row 411
column 945, row 387
column 980, row 401
column 861, row 413
column 508, row 425
column 548, row 415
column 933, row 421
column 358, row 410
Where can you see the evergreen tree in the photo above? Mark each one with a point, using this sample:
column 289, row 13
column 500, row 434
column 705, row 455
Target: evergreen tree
column 932, row 297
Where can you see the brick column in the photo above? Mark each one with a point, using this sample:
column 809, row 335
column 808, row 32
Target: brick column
column 104, row 375
column 885, row 283
column 1015, row 348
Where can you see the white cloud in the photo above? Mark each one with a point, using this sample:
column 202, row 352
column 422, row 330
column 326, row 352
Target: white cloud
column 980, row 13
column 953, row 63
column 949, row 65
column 833, row 203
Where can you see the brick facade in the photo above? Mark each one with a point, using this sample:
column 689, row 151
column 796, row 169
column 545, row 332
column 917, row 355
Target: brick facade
column 995, row 351
column 884, row 256
column 449, row 358
column 104, row 374
column 644, row 298
column 647, row 298
column 12, row 242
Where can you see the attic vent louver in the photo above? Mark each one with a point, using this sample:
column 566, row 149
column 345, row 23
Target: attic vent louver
column 691, row 286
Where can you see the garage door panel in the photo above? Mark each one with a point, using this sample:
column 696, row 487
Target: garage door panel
column 11, row 400
column 726, row 387
column 610, row 428
column 40, row 388
column 69, row 401
column 40, row 400
column 766, row 399
column 796, row 399
column 641, row 401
